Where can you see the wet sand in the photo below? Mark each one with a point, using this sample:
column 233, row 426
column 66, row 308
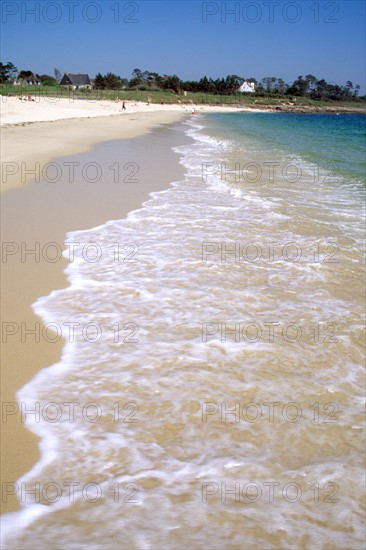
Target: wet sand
column 40, row 213
column 28, row 149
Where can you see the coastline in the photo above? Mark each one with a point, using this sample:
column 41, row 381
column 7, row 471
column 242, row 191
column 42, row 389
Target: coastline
column 26, row 150
column 34, row 134
column 43, row 213
column 36, row 213
column 47, row 109
column 168, row 376
column 292, row 107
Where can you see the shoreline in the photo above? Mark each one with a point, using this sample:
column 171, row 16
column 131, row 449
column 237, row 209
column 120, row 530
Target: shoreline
column 46, row 109
column 38, row 213
column 41, row 213
column 27, row 150
column 32, row 135
column 313, row 109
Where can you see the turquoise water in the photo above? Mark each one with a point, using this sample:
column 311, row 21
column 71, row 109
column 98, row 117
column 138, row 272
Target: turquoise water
column 338, row 141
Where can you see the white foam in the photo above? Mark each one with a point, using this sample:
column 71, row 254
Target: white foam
column 170, row 293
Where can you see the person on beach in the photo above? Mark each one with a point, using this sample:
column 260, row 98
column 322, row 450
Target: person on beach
column 123, row 106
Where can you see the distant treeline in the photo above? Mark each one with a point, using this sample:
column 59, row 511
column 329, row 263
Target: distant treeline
column 308, row 86
column 270, row 86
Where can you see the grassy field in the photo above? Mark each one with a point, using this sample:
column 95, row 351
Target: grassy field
column 167, row 97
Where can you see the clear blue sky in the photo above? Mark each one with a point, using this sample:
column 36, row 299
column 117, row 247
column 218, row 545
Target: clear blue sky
column 189, row 38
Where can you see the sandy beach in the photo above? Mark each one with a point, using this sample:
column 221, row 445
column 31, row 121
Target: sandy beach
column 35, row 214
column 169, row 295
column 182, row 275
column 33, row 133
column 46, row 109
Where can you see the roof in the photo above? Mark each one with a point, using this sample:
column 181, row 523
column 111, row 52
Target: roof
column 28, row 79
column 78, row 79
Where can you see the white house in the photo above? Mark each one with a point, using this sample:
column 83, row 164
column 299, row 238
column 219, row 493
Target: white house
column 247, row 87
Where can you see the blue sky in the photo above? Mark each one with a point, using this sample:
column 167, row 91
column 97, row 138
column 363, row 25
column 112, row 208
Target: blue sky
column 189, row 38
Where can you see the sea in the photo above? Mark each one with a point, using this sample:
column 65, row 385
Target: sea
column 211, row 388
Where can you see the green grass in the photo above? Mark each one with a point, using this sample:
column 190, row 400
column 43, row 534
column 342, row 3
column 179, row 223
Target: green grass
column 168, row 97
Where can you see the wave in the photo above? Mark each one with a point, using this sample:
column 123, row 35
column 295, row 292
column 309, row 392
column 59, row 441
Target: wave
column 150, row 322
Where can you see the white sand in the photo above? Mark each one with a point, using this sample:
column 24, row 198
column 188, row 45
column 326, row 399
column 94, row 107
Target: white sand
column 35, row 132
column 42, row 109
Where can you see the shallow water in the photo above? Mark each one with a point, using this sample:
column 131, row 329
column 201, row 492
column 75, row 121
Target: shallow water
column 214, row 380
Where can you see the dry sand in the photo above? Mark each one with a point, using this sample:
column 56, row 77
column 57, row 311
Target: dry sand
column 33, row 133
column 43, row 109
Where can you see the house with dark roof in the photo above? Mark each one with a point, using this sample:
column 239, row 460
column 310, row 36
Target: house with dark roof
column 76, row 81
column 30, row 80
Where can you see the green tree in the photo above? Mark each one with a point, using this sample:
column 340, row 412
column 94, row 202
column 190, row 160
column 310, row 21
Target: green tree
column 25, row 74
column 7, row 72
column 172, row 82
column 12, row 70
column 233, row 83
column 203, row 85
column 124, row 82
column 46, row 79
column 112, row 81
column 349, row 85
column 137, row 73
column 136, row 77
column 310, row 83
column 134, row 82
column 156, row 80
column 280, row 86
column 298, row 87
column 356, row 92
column 99, row 82
column 268, row 83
